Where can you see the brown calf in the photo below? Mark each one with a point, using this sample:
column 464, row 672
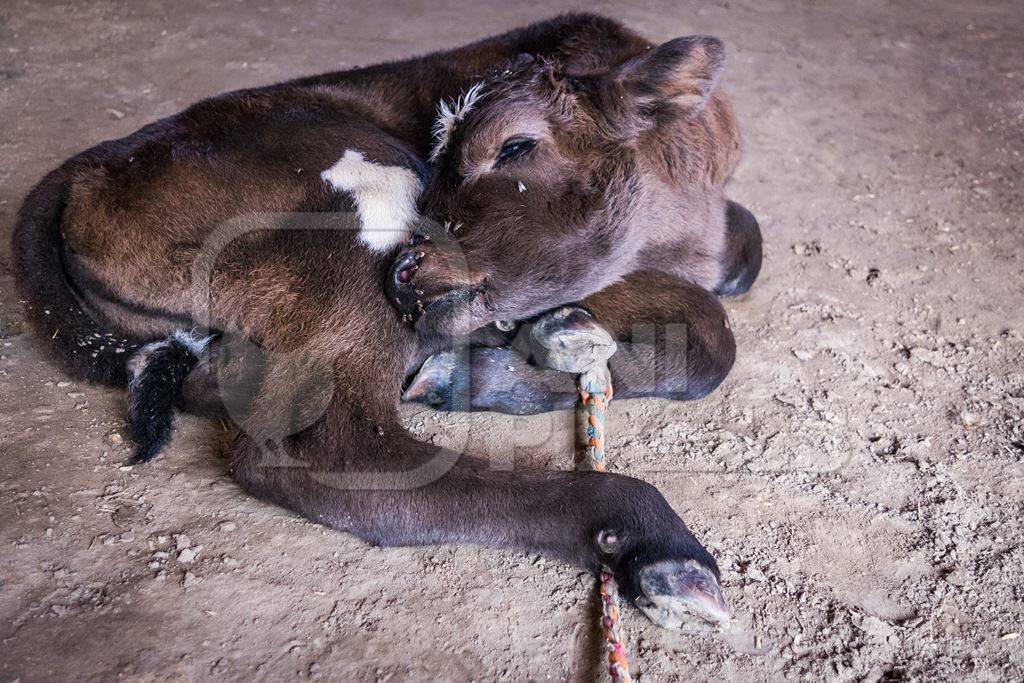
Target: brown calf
column 226, row 217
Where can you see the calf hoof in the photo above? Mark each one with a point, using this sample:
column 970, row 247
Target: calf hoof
column 743, row 251
column 660, row 564
column 570, row 340
column 682, row 596
column 442, row 382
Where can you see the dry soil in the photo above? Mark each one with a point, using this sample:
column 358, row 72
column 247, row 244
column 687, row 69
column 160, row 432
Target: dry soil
column 859, row 474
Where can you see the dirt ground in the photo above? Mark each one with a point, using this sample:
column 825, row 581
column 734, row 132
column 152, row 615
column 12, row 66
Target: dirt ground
column 858, row 476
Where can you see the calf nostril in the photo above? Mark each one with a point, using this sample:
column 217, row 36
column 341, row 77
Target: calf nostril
column 405, row 275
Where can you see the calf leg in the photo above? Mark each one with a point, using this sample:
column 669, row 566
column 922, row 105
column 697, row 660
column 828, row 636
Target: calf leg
column 359, row 471
column 673, row 341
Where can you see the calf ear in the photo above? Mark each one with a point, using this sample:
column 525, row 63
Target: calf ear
column 684, row 71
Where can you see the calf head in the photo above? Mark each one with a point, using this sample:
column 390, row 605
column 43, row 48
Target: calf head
column 545, row 183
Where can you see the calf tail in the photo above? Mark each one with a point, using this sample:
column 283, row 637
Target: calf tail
column 156, row 373
column 84, row 348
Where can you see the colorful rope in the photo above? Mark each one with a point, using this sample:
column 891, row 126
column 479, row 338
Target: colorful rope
column 595, row 389
column 618, row 664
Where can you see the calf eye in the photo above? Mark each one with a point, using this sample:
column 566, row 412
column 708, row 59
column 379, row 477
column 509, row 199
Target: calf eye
column 514, row 149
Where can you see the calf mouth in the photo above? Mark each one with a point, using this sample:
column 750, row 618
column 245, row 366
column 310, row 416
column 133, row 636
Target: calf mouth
column 412, row 297
column 401, row 287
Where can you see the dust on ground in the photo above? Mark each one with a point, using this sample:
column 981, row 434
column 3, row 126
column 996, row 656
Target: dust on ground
column 858, row 475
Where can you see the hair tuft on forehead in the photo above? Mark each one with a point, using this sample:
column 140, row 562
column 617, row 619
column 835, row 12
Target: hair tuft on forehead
column 449, row 114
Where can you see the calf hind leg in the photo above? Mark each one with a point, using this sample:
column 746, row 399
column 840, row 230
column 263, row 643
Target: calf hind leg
column 359, row 471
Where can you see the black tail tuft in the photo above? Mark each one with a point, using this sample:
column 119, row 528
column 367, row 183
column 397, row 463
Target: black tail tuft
column 156, row 374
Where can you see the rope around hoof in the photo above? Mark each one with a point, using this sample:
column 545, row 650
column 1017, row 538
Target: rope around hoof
column 595, row 389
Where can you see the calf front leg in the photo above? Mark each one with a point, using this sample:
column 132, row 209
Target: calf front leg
column 742, row 251
column 673, row 341
column 359, row 471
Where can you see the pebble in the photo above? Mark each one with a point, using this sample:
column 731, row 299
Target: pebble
column 227, row 526
column 189, row 554
column 755, row 575
column 189, row 579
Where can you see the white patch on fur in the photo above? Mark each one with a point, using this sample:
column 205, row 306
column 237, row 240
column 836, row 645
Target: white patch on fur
column 193, row 343
column 385, row 197
column 449, row 114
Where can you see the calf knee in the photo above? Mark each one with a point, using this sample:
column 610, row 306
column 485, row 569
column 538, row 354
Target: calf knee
column 711, row 352
column 708, row 372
